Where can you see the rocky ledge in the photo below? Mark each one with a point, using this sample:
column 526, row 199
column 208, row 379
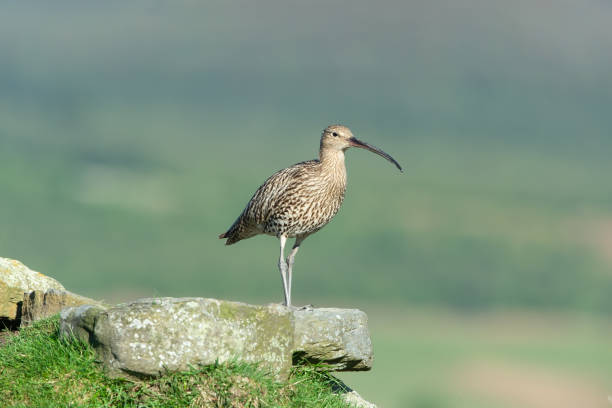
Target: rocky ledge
column 27, row 295
column 148, row 337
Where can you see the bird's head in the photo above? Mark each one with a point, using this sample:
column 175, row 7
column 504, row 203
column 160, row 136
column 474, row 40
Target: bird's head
column 338, row 137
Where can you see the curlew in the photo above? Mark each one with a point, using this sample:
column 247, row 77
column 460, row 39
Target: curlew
column 298, row 201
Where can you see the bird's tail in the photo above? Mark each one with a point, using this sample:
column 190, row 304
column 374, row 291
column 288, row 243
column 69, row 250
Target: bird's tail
column 231, row 235
column 225, row 235
column 240, row 229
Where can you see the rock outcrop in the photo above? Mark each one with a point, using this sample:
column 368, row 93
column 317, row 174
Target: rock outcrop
column 39, row 304
column 150, row 336
column 27, row 295
column 17, row 279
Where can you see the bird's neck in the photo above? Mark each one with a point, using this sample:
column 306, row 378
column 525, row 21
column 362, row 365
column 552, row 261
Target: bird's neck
column 332, row 163
column 331, row 157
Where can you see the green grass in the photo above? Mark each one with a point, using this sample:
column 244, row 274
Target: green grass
column 40, row 369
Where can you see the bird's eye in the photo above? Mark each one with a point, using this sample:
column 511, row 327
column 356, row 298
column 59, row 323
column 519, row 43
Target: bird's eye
column 335, row 134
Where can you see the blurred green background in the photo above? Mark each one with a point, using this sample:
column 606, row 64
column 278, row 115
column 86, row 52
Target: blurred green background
column 132, row 134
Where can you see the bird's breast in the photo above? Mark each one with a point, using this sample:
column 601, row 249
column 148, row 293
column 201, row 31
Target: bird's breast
column 313, row 207
column 303, row 199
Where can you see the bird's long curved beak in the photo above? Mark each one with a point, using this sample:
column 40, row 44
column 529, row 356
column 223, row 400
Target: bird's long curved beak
column 358, row 143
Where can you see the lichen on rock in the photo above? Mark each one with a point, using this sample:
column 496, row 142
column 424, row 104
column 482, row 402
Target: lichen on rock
column 150, row 336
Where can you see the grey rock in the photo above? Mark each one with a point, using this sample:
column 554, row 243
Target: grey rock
column 17, row 279
column 149, row 336
column 39, row 304
column 338, row 338
column 80, row 322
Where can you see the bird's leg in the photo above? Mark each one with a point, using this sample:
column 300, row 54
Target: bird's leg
column 283, row 270
column 290, row 262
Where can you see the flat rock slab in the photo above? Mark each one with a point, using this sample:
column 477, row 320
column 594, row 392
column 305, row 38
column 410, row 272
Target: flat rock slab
column 150, row 336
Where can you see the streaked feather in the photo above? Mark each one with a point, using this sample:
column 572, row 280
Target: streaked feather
column 298, row 200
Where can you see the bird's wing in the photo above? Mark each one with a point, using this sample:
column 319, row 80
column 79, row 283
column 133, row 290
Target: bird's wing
column 263, row 202
column 275, row 188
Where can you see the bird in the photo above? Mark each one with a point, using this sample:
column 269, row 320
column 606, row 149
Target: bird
column 299, row 200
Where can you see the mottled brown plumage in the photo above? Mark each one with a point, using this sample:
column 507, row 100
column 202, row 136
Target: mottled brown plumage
column 299, row 200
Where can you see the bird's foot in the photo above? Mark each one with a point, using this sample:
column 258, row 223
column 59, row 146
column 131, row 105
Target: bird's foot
column 301, row 308
column 293, row 308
